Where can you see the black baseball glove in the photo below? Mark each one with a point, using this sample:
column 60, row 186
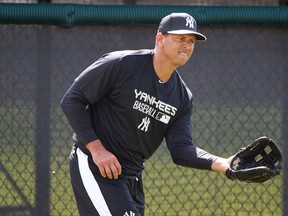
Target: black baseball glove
column 256, row 163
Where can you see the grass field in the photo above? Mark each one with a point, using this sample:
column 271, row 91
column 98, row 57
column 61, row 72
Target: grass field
column 170, row 189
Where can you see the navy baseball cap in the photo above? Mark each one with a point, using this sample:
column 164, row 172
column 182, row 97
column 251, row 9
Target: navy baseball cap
column 180, row 23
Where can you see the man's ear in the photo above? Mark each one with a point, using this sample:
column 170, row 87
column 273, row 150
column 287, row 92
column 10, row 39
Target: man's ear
column 159, row 38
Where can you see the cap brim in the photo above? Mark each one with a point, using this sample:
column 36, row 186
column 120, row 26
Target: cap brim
column 198, row 35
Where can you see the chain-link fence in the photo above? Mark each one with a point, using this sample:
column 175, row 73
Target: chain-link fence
column 240, row 85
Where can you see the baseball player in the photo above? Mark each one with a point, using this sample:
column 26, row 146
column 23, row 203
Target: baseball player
column 121, row 108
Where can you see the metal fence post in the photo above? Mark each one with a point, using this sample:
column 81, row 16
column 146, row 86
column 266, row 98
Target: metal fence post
column 42, row 145
column 285, row 152
column 285, row 128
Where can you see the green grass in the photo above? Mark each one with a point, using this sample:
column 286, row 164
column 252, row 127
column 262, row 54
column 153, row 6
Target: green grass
column 170, row 189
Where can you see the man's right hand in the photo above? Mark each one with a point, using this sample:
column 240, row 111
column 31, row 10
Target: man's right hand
column 107, row 162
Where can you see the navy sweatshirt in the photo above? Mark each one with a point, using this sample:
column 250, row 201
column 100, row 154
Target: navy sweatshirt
column 120, row 100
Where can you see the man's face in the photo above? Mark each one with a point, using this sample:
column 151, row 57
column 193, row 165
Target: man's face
column 178, row 48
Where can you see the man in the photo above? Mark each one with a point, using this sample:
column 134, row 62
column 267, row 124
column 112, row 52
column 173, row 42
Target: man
column 121, row 108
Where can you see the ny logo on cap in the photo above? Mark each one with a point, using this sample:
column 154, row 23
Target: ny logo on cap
column 190, row 22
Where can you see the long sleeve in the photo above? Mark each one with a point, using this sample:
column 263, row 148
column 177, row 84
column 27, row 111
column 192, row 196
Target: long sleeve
column 87, row 90
column 180, row 144
column 75, row 107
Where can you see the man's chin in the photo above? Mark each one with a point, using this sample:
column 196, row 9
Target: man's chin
column 183, row 61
